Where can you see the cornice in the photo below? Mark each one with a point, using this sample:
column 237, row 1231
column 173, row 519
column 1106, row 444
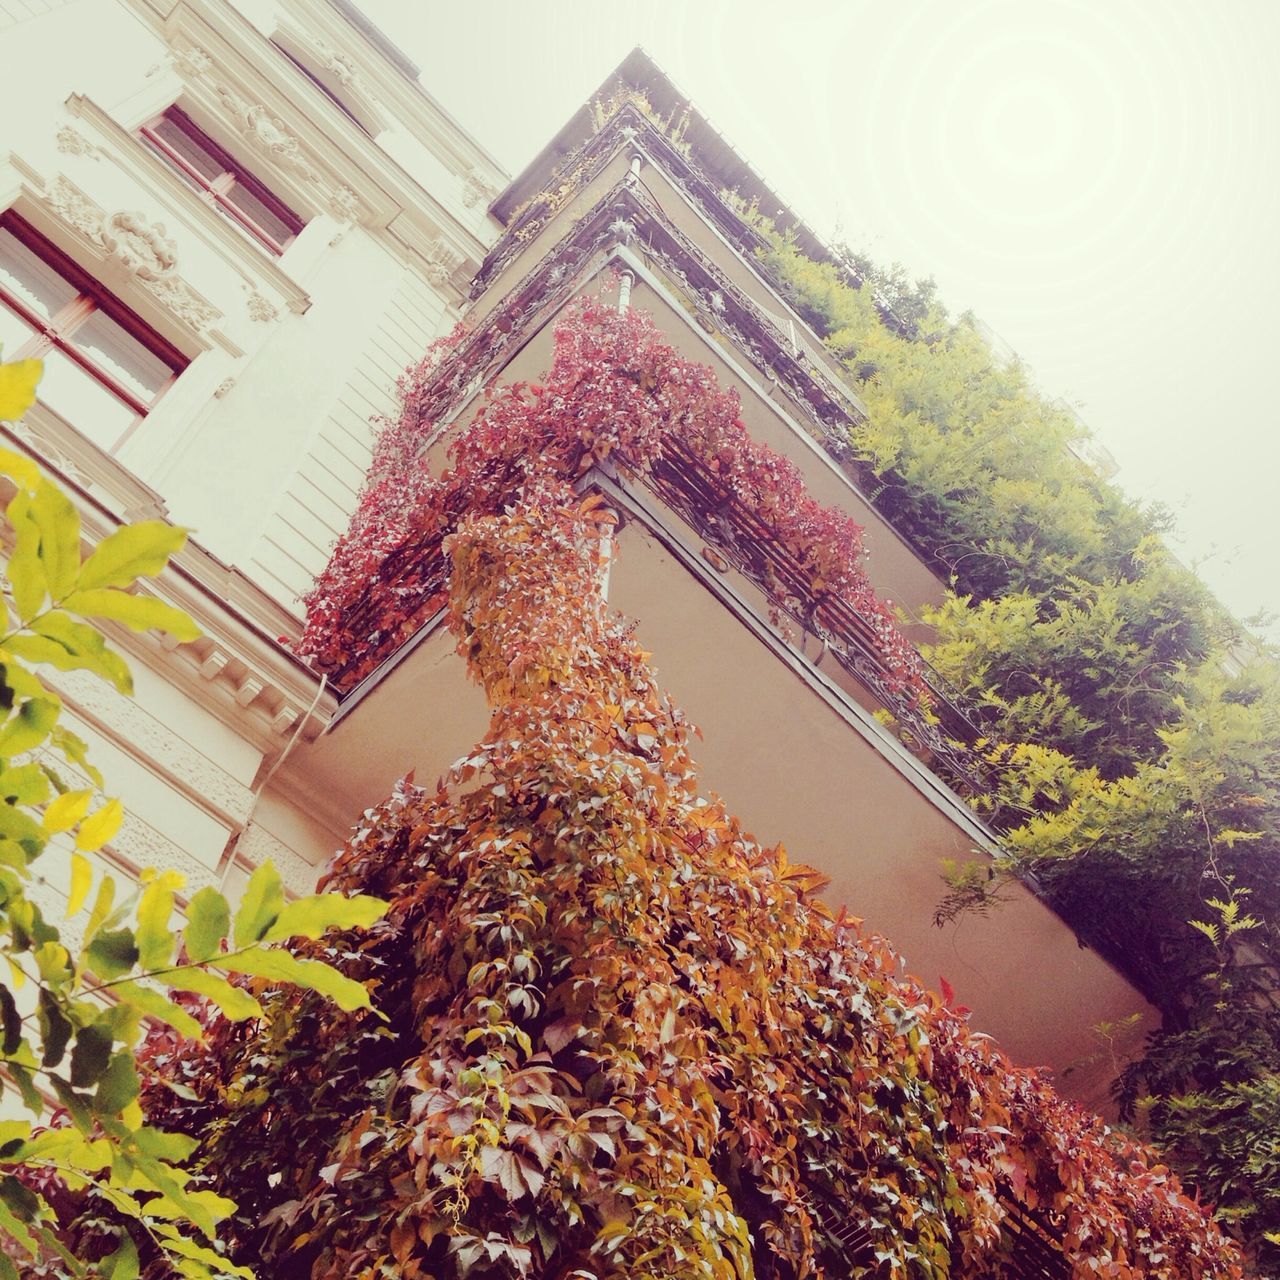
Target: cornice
column 144, row 166
column 409, row 101
column 238, row 670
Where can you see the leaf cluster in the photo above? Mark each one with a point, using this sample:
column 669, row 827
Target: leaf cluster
column 77, row 997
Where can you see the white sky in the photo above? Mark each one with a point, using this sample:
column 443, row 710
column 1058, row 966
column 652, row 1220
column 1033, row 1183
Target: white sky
column 1097, row 179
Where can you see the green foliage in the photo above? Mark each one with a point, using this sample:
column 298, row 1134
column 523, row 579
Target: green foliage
column 1140, row 777
column 74, row 1006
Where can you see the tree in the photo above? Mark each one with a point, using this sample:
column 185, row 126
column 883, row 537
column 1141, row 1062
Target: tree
column 74, row 1006
column 623, row 1039
column 1136, row 764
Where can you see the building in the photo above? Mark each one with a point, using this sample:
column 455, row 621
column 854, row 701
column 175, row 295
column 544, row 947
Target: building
column 230, row 238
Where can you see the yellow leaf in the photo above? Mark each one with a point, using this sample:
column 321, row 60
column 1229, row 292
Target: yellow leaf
column 64, row 812
column 100, row 827
column 18, row 387
column 81, row 879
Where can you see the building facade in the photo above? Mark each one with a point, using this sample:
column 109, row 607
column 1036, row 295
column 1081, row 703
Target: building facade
column 230, row 238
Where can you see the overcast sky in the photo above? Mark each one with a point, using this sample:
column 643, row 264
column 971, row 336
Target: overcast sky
column 1097, row 179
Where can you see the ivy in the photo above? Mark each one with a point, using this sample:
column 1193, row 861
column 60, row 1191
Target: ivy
column 615, row 393
column 622, row 1038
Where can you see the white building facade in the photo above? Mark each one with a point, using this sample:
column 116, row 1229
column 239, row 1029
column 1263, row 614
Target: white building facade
column 227, row 229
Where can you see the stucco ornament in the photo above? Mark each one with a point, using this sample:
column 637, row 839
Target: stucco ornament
column 138, row 246
column 193, row 61
column 267, row 131
column 345, row 205
column 71, row 204
column 476, row 191
column 261, row 309
column 142, row 248
column 72, row 142
column 441, row 263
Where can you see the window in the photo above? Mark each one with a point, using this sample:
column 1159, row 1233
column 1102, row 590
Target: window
column 221, row 181
column 103, row 367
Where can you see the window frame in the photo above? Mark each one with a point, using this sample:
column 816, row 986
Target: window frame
column 216, row 190
column 57, row 332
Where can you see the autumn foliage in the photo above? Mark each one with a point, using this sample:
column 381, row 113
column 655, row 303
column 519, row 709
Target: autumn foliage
column 616, row 392
column 621, row 1037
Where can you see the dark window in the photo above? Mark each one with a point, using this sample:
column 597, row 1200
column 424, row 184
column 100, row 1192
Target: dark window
column 221, row 181
column 103, row 367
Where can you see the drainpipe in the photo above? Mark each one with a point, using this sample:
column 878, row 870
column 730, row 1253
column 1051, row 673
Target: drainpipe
column 625, row 282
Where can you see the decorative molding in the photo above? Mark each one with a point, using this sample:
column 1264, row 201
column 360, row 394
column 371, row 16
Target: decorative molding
column 442, row 262
column 268, row 135
column 260, row 309
column 476, row 191
column 108, row 139
column 345, row 204
column 342, row 67
column 72, row 142
column 142, row 248
column 138, row 247
column 144, row 738
column 192, row 61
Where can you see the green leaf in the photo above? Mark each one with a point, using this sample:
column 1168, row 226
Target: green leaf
column 90, row 1055
column 314, row 975
column 154, row 939
column 26, row 574
column 24, row 784
column 311, row 916
column 119, row 1085
column 81, row 882
column 261, row 905
column 18, row 382
column 234, row 1002
column 21, row 1199
column 30, row 727
column 101, row 908
column 176, row 1148
column 66, row 810
column 76, row 750
column 123, row 1263
column 76, row 646
column 59, row 524
column 112, row 953
column 153, row 1004
column 208, row 922
column 25, row 1080
column 12, row 1225
column 138, row 613
column 137, row 551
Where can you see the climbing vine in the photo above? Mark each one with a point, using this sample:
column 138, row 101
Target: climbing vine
column 622, row 1038
column 615, row 393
